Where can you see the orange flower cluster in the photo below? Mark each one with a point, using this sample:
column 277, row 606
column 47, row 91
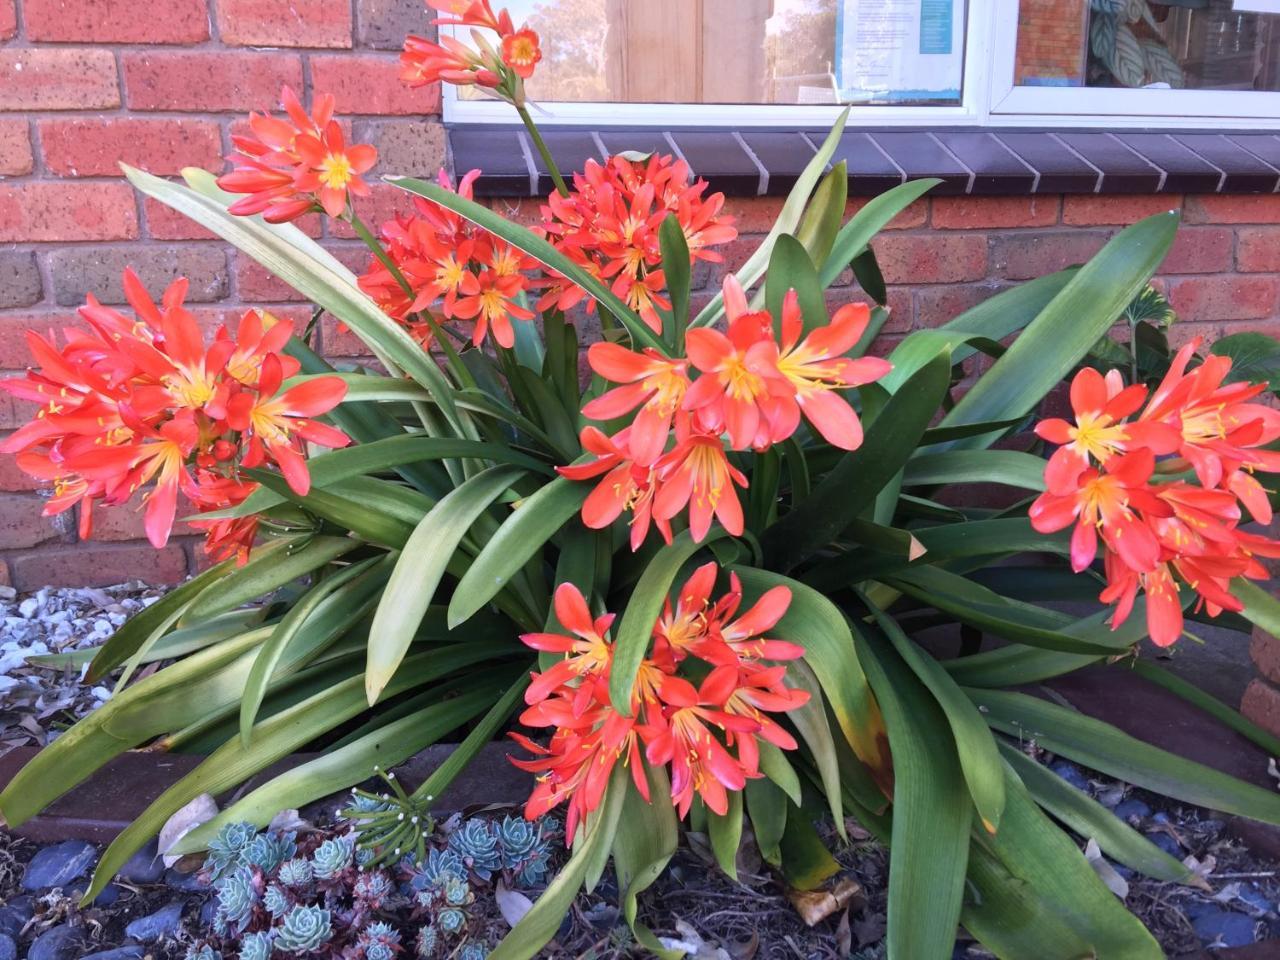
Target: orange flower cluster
column 134, row 401
column 608, row 224
column 502, row 70
column 448, row 261
column 1163, row 491
column 294, row 166
column 750, row 387
column 708, row 734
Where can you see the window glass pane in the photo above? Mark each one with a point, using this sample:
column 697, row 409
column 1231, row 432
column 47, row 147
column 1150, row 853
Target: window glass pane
column 745, row 51
column 1183, row 44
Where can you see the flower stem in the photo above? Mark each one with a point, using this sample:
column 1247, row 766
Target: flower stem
column 542, row 149
column 375, row 247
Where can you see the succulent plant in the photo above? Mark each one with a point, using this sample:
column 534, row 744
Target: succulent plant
column 224, row 849
column 439, row 864
column 372, row 888
column 473, row 951
column 267, row 851
column 428, row 938
column 451, row 920
column 237, row 896
column 202, row 951
column 305, row 928
column 333, row 856
column 256, row 946
column 296, row 872
column 476, row 842
column 525, row 849
column 277, row 900
column 379, row 941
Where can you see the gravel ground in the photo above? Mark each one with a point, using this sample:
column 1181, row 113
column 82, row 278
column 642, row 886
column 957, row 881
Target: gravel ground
column 37, row 703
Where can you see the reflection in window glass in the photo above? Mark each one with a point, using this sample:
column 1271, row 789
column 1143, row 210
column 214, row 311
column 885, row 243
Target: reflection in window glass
column 745, row 51
column 1179, row 44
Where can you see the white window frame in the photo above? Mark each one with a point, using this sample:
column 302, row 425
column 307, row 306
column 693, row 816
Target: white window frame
column 989, row 99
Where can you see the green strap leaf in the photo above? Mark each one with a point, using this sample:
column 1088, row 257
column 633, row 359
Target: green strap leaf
column 1261, row 608
column 519, row 538
column 286, row 631
column 791, row 269
column 266, row 571
column 932, row 812
column 1206, row 702
column 1092, row 820
column 975, row 746
column 676, row 269
column 725, row 833
column 1068, row 327
column 817, row 231
column 420, row 568
column 1102, row 747
column 643, row 609
column 853, row 485
column 767, row 808
column 1008, row 467
column 867, row 222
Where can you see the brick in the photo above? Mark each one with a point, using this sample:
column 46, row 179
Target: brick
column 97, row 270
column 751, row 214
column 383, row 24
column 1258, row 250
column 19, row 279
column 22, row 525
column 13, row 479
column 165, row 223
column 14, row 412
column 1228, row 297
column 939, row 305
column 116, row 21
column 1233, row 208
column 931, row 258
column 54, row 212
column 58, row 79
column 284, row 23
column 382, row 204
column 1091, row 210
column 975, row 213
column 8, row 19
column 203, row 82
column 370, row 84
column 15, row 148
column 1199, row 250
column 126, row 521
column 915, row 214
column 1261, row 704
column 1265, row 651
column 97, row 565
column 412, row 147
column 256, row 284
column 339, row 342
column 902, row 311
column 1025, row 255
column 97, row 147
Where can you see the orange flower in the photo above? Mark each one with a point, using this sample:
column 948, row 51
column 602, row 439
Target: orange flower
column 626, row 486
column 520, row 52
column 292, row 167
column 424, row 61
column 817, row 366
column 697, row 474
column 470, row 13
column 655, row 383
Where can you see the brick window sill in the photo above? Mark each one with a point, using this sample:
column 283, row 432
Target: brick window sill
column 984, row 162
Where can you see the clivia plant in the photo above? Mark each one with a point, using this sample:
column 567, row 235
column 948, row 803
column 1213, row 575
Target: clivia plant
column 772, row 515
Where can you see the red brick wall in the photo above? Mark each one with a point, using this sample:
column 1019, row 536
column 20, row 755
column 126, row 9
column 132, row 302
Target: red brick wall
column 88, row 83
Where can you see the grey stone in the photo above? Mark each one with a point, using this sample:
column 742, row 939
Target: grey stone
column 1166, row 843
column 1070, row 773
column 185, row 882
column 105, row 898
column 77, row 271
column 57, row 943
column 19, row 279
column 163, row 923
column 14, row 916
column 145, row 866
column 1133, row 810
column 131, row 951
column 8, row 949
column 1216, row 926
column 58, row 865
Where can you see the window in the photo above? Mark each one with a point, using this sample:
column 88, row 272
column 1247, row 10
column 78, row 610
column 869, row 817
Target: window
column 796, row 63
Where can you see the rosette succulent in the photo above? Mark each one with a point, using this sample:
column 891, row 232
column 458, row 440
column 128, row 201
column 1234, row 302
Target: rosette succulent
column 201, row 951
column 305, row 928
column 296, row 872
column 267, row 851
column 476, row 842
column 525, row 850
column 428, row 938
column 430, row 874
column 237, row 896
column 224, row 849
column 277, row 900
column 256, row 946
column 333, row 856
column 473, row 951
column 379, row 941
column 372, row 887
